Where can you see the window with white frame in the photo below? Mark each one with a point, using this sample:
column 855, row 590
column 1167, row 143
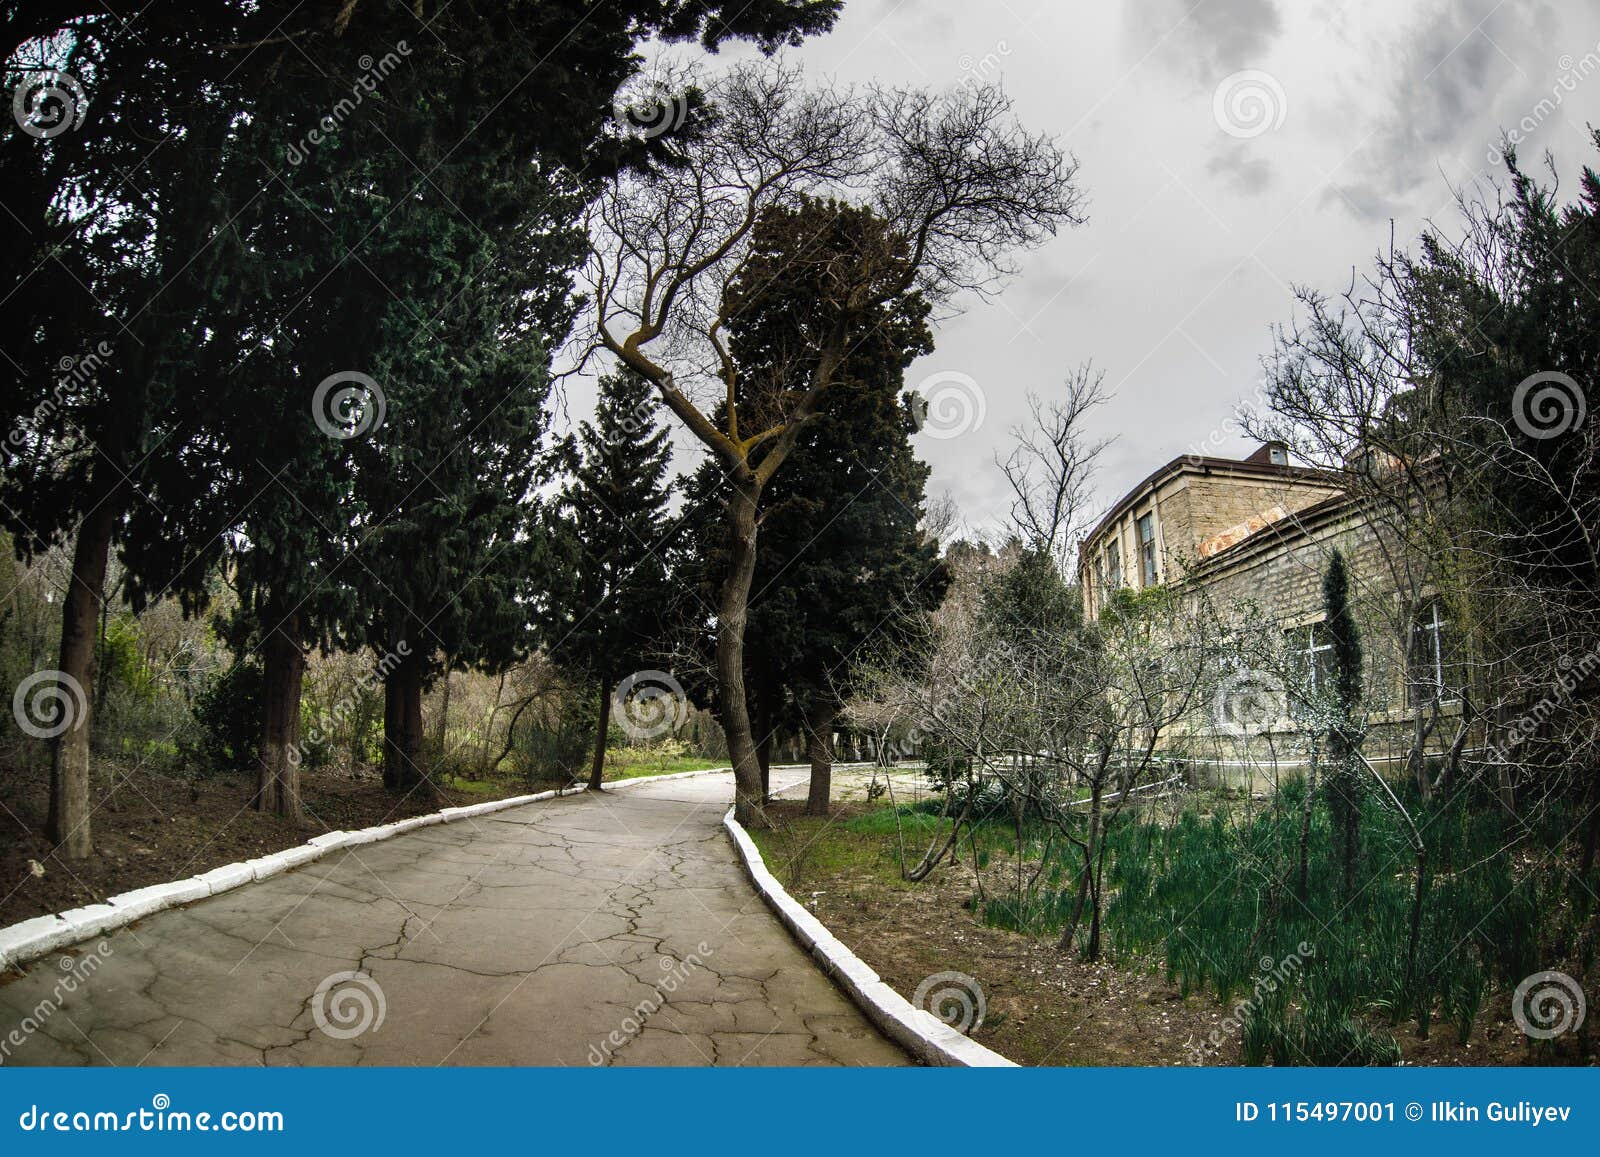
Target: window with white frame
column 1433, row 667
column 1311, row 660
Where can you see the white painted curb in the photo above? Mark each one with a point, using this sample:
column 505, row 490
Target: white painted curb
column 34, row 938
column 921, row 1033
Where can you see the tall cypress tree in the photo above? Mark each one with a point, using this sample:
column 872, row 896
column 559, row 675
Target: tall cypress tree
column 614, row 515
column 1345, row 727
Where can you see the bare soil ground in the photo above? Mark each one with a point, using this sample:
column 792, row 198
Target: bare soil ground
column 150, row 828
column 1045, row 1006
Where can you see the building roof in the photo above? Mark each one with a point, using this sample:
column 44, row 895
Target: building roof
column 1299, row 524
column 1257, row 465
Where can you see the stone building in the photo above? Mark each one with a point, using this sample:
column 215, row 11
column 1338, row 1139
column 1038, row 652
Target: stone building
column 1254, row 536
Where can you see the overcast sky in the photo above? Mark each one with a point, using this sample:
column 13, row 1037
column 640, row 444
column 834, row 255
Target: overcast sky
column 1371, row 111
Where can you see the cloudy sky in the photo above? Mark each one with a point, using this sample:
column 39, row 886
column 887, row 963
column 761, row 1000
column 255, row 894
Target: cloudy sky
column 1230, row 150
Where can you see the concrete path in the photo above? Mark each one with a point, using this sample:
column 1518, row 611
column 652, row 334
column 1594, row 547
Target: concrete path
column 614, row 929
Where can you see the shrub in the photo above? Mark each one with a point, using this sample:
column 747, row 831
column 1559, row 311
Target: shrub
column 227, row 714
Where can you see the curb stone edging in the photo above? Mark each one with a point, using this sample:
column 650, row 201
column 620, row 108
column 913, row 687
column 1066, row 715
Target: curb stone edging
column 918, row 1031
column 40, row 935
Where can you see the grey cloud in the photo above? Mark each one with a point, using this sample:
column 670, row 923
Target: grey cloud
column 1208, row 40
column 1456, row 81
column 1241, row 171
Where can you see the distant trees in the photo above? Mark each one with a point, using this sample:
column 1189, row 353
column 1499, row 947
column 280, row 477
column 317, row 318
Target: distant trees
column 613, row 515
column 948, row 187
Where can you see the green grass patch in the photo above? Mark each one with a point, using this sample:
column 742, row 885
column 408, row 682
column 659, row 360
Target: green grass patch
column 636, row 763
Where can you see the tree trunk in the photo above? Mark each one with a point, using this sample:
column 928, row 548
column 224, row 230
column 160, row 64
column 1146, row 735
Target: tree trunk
column 67, row 824
column 283, row 662
column 732, row 612
column 402, row 725
column 444, row 709
column 598, row 768
column 819, row 746
column 764, row 754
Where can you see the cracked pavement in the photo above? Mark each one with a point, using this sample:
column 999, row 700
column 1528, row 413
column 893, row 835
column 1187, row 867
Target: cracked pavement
column 611, row 929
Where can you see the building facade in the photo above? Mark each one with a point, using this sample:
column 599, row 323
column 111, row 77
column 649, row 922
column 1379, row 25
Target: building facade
column 1254, row 536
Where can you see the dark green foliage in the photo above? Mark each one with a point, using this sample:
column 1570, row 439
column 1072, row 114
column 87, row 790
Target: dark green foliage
column 1345, row 778
column 555, row 747
column 228, row 715
column 1216, row 900
column 613, row 522
column 1482, row 328
column 842, row 564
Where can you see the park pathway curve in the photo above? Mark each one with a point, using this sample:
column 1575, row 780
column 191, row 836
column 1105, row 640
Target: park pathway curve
column 590, row 929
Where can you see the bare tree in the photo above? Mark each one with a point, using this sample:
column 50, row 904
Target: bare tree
column 1051, row 465
column 956, row 186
